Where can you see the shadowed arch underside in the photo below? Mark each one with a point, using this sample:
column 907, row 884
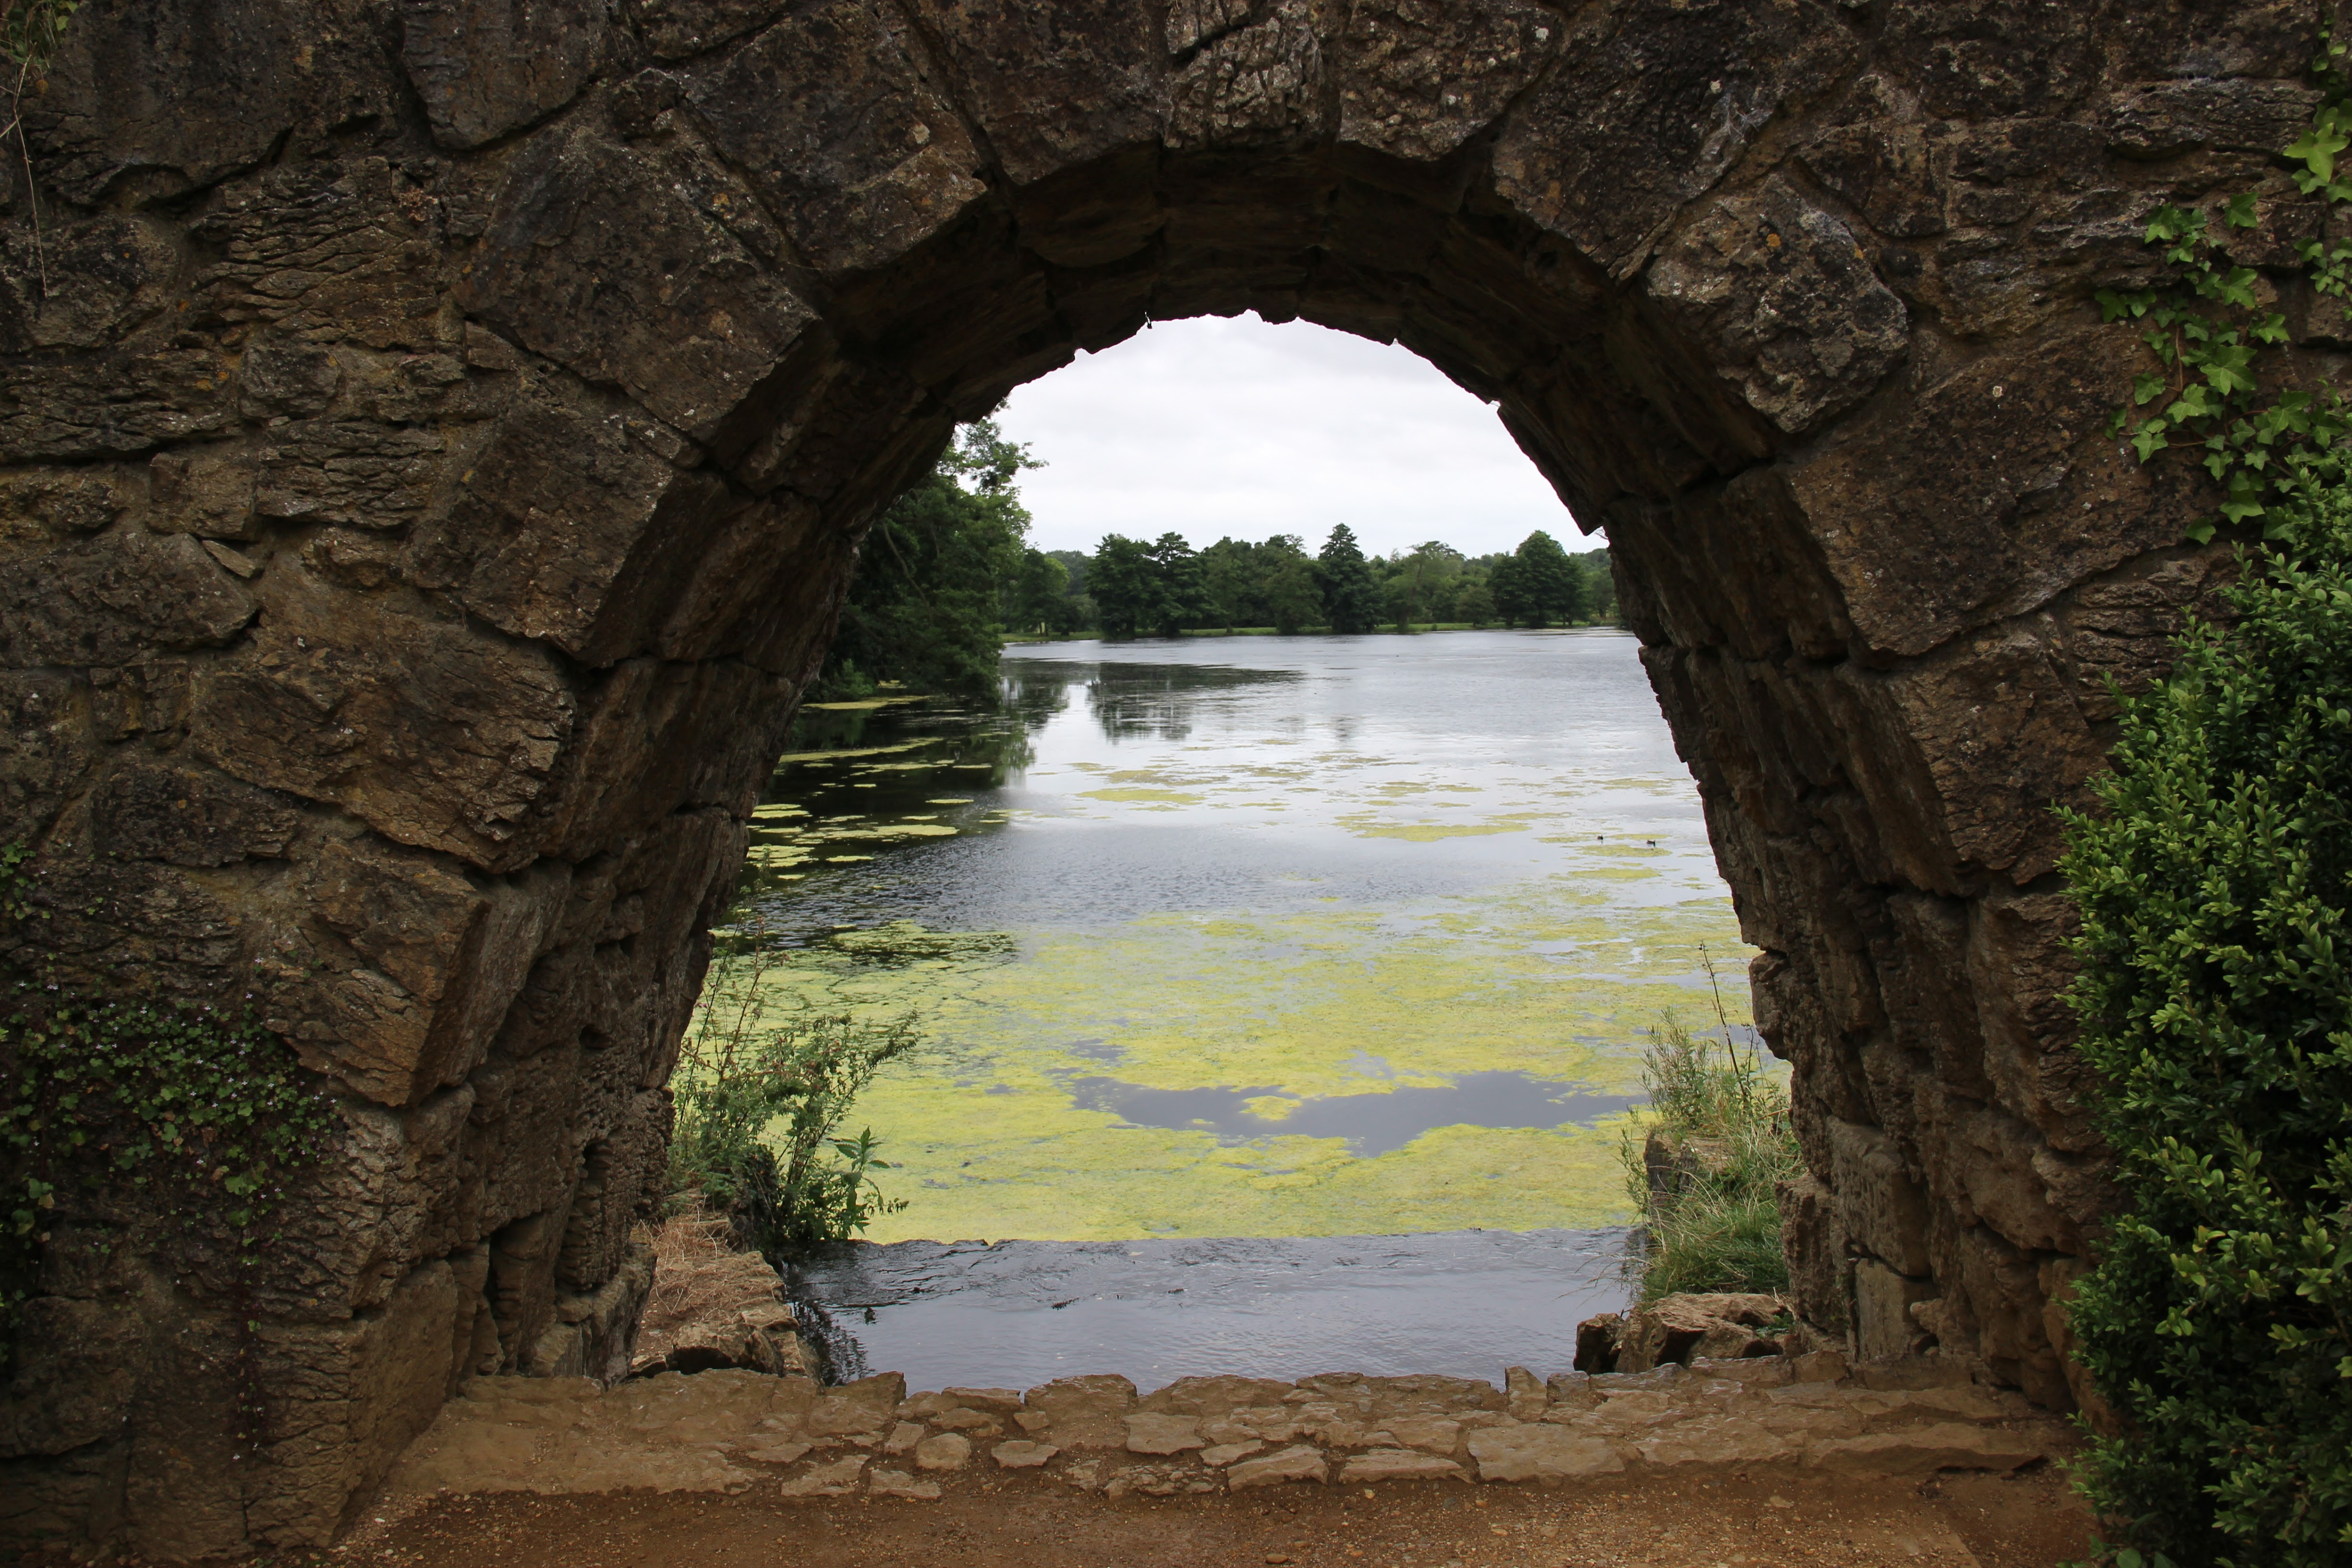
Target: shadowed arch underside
column 438, row 455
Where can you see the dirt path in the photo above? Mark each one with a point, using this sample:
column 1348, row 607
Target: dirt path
column 1769, row 1517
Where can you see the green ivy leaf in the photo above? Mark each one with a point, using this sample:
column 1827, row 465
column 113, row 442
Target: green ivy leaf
column 2317, row 147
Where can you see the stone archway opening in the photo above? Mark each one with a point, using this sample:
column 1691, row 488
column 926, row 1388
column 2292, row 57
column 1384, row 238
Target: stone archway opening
column 436, row 479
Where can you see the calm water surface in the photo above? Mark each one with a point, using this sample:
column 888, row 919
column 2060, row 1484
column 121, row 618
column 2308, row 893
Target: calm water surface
column 1340, row 938
column 1265, row 936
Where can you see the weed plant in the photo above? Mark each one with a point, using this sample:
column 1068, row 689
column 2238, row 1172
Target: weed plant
column 1716, row 1223
column 740, row 1072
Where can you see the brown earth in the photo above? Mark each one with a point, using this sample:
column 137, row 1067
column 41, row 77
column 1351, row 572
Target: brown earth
column 1760, row 1519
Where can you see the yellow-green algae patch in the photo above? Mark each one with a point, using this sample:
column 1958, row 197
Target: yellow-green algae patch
column 1547, row 977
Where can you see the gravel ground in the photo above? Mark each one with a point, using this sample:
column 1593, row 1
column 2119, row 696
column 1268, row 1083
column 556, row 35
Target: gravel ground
column 1762, row 1519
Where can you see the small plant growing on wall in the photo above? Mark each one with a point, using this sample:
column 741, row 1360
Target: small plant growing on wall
column 168, row 1130
column 761, row 1100
column 30, row 32
column 1706, row 1166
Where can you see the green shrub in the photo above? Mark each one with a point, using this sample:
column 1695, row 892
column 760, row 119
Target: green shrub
column 739, row 1073
column 2217, row 1009
column 1715, row 1224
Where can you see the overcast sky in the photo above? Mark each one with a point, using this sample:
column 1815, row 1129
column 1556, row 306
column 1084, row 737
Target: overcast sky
column 1210, row 428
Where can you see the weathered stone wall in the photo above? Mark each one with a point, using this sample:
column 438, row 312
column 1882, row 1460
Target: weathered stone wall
column 432, row 463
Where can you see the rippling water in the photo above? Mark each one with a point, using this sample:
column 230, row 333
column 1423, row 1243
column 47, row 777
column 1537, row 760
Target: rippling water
column 1018, row 1313
column 1253, row 936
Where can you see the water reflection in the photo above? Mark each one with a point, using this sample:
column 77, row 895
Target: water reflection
column 1369, row 1123
column 1160, row 909
column 1159, row 701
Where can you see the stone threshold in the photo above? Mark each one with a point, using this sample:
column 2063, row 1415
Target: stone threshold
column 731, row 1431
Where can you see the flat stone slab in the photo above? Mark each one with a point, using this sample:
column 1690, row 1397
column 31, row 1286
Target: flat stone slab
column 725, row 1431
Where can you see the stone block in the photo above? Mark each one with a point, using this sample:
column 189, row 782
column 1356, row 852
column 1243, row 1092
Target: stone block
column 75, row 1372
column 1403, row 91
column 652, row 270
column 1542, row 1453
column 1020, row 1454
column 1299, row 1463
column 1053, row 91
column 210, row 494
column 326, row 251
column 1212, row 1396
column 1256, row 85
column 943, row 1451
column 1879, row 1208
column 841, row 133
column 2011, row 493
column 487, row 66
column 868, row 1405
column 1882, row 1309
column 155, row 808
column 1662, row 103
column 839, row 1479
column 1674, row 1328
column 899, row 1484
column 1716, row 1440
column 1921, row 1450
column 426, row 962
column 117, row 598
column 1086, row 1412
column 1398, row 1464
column 339, row 698
column 1820, row 1271
column 1783, row 300
column 1151, row 1434
column 154, row 101
column 84, row 285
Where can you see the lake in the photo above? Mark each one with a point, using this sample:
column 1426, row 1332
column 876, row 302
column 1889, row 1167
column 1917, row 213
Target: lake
column 1253, row 936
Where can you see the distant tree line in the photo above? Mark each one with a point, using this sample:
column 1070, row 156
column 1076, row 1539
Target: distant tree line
column 1164, row 588
column 948, row 573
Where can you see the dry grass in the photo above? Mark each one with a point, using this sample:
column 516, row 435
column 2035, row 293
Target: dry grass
column 697, row 1275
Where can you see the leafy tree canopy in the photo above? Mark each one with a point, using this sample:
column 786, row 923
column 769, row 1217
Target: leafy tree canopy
column 927, row 608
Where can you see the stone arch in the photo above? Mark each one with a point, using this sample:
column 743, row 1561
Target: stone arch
column 436, row 460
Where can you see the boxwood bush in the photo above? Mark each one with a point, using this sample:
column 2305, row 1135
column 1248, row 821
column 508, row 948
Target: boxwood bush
column 2216, row 1000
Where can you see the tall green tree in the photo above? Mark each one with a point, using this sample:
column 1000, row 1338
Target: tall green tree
column 1506, row 586
column 1474, row 601
column 1293, row 599
column 1352, row 597
column 1419, row 582
column 1038, row 599
column 1124, row 584
column 1549, row 584
column 1176, row 578
column 1599, row 584
column 1231, row 584
column 925, row 609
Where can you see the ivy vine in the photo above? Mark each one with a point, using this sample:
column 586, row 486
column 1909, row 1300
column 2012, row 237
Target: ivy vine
column 2213, row 891
column 2207, row 328
column 176, row 1129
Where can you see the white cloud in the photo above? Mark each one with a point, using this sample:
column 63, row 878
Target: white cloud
column 1210, row 426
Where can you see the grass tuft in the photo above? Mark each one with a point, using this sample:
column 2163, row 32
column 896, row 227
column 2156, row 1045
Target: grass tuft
column 1706, row 1167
